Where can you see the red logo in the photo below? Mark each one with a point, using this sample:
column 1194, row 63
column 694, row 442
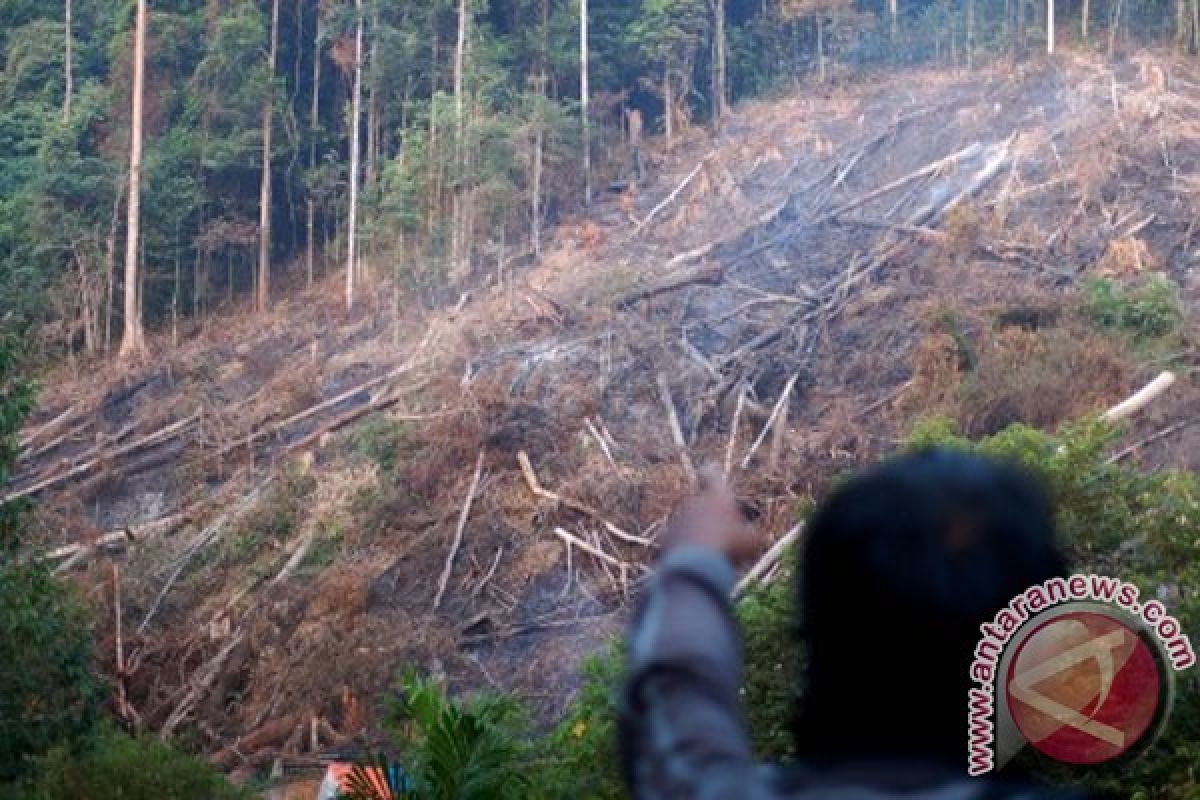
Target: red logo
column 1084, row 688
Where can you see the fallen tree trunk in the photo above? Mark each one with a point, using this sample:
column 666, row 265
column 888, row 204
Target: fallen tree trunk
column 709, row 274
column 929, row 169
column 158, row 437
column 1141, row 398
column 768, row 561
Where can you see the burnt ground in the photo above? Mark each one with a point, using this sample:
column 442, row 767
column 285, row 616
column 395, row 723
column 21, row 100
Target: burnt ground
column 293, row 482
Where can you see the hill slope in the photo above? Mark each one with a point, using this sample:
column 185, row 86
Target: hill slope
column 286, row 493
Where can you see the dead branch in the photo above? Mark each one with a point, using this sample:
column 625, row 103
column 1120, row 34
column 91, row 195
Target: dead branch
column 654, row 212
column 1140, row 399
column 929, row 169
column 60, row 421
column 1151, row 439
column 733, row 430
column 199, row 684
column 768, row 561
column 531, row 480
column 458, row 533
column 664, row 390
column 589, row 548
column 775, row 413
column 197, row 544
column 158, row 437
column 276, row 427
column 708, row 274
column 885, row 400
column 603, row 444
column 270, row 733
column 117, row 539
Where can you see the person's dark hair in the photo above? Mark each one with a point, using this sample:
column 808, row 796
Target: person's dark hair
column 900, row 567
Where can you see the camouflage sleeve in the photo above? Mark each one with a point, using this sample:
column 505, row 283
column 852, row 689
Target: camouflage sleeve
column 680, row 731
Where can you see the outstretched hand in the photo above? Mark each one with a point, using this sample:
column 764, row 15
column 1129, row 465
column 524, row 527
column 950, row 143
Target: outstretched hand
column 713, row 518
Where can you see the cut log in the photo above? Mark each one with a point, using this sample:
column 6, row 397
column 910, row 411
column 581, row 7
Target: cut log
column 664, row 390
column 708, row 274
column 458, row 533
column 969, row 151
column 654, row 212
column 1141, row 398
column 768, row 561
column 775, row 414
column 158, row 437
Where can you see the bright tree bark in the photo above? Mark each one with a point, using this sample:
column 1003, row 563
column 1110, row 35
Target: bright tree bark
column 313, row 128
column 584, row 100
column 262, row 295
column 355, row 116
column 1050, row 27
column 68, row 66
column 133, row 340
column 720, row 80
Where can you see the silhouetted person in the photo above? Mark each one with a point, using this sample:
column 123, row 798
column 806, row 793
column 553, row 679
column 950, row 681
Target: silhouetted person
column 899, row 568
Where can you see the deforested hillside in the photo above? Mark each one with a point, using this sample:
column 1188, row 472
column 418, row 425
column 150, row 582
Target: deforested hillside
column 304, row 503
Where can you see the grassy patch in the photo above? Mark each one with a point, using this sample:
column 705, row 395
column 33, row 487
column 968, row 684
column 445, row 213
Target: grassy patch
column 1145, row 312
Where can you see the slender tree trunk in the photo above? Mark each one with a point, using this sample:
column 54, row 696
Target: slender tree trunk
column 720, row 89
column 584, row 101
column 110, row 266
column 669, row 109
column 1020, row 28
column 314, row 122
column 1085, row 14
column 1050, row 27
column 133, row 340
column 262, row 295
column 535, row 211
column 460, row 123
column 355, row 115
column 1113, row 28
column 373, row 106
column 970, row 33
column 894, row 13
column 820, row 47
column 68, row 66
column 1195, row 35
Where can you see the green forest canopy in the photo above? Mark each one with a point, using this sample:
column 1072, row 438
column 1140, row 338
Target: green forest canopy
column 461, row 157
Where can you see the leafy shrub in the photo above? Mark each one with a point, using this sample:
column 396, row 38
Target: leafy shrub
column 581, row 752
column 474, row 750
column 771, row 685
column 1144, row 312
column 48, row 693
column 382, row 440
column 115, row 765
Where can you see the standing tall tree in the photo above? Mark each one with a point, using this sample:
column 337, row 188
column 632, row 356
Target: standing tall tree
column 720, row 49
column 68, row 74
column 133, row 340
column 262, row 295
column 313, row 127
column 584, row 101
column 1050, row 27
column 355, row 116
column 460, row 134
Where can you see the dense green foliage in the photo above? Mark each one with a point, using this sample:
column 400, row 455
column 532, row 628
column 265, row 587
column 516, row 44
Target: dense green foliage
column 47, row 691
column 1146, row 312
column 450, row 180
column 478, row 749
column 115, row 765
